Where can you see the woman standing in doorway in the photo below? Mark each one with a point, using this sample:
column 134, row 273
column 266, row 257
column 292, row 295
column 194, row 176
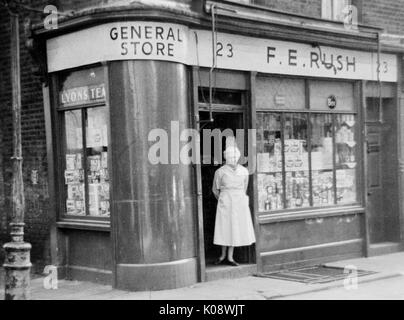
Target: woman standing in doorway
column 233, row 224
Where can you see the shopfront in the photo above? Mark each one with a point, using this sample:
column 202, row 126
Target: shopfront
column 314, row 133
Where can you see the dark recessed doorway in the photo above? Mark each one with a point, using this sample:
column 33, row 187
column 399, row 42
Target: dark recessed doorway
column 222, row 121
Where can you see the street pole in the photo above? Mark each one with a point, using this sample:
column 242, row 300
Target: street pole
column 17, row 263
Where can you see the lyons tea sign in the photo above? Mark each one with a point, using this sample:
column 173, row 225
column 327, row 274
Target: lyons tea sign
column 82, row 95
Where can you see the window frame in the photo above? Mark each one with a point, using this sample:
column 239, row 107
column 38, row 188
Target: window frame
column 58, row 112
column 334, row 113
column 329, row 9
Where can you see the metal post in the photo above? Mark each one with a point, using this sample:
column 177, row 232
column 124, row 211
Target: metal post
column 17, row 263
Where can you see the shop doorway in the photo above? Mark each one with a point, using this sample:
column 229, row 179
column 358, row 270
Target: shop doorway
column 382, row 169
column 230, row 121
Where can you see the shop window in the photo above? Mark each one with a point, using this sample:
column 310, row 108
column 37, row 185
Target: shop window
column 322, row 159
column 307, row 159
column 296, row 159
column 84, row 124
column 345, row 160
column 280, row 93
column 269, row 161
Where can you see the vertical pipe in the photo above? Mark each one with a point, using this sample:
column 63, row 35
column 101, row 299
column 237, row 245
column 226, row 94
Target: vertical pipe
column 18, row 188
column 379, row 79
column 214, row 43
column 17, row 261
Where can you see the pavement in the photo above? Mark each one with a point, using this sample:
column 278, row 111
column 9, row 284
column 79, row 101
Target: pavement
column 386, row 283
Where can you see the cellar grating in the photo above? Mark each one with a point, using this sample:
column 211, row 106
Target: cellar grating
column 315, row 274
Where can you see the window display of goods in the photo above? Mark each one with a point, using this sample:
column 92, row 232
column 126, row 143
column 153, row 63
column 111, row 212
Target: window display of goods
column 298, row 171
column 86, row 165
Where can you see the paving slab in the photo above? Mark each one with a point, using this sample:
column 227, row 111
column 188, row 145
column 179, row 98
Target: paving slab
column 382, row 289
column 389, row 268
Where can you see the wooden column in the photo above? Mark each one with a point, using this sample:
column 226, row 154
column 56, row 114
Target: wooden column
column 153, row 207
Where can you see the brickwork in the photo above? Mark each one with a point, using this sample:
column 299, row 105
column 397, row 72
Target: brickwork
column 3, row 216
column 310, row 8
column 388, row 14
column 5, row 105
column 33, row 145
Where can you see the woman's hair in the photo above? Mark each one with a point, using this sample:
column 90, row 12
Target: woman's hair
column 232, row 151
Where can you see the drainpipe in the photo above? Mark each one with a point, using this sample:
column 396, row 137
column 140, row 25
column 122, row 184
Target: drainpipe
column 212, row 9
column 379, row 82
column 17, row 263
column 214, row 60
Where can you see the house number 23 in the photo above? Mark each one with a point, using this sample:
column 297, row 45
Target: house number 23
column 224, row 49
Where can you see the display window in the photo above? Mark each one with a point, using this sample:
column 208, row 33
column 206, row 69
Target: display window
column 84, row 119
column 346, row 162
column 322, row 159
column 307, row 159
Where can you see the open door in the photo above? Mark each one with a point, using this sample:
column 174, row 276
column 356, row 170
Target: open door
column 222, row 121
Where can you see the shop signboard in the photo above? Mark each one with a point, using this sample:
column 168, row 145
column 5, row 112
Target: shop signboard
column 177, row 43
column 82, row 95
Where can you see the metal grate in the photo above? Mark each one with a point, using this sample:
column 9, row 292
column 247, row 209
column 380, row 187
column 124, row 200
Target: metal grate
column 314, row 274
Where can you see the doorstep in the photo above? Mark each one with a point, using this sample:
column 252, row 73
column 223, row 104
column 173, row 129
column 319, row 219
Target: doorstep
column 378, row 249
column 229, row 272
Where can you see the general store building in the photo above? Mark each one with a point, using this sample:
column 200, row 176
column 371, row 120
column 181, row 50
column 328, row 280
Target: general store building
column 325, row 157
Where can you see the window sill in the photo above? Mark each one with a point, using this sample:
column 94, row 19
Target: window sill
column 84, row 225
column 309, row 213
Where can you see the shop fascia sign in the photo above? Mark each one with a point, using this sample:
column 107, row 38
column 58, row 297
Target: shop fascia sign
column 178, row 43
column 82, row 95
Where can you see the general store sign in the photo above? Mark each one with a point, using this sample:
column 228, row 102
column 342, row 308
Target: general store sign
column 178, row 43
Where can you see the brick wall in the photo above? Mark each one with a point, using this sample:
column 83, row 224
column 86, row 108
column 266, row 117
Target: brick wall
column 3, row 216
column 310, row 8
column 33, row 145
column 388, row 14
column 4, row 120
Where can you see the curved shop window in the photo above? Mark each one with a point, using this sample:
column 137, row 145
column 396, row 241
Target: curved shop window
column 83, row 121
column 307, row 148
